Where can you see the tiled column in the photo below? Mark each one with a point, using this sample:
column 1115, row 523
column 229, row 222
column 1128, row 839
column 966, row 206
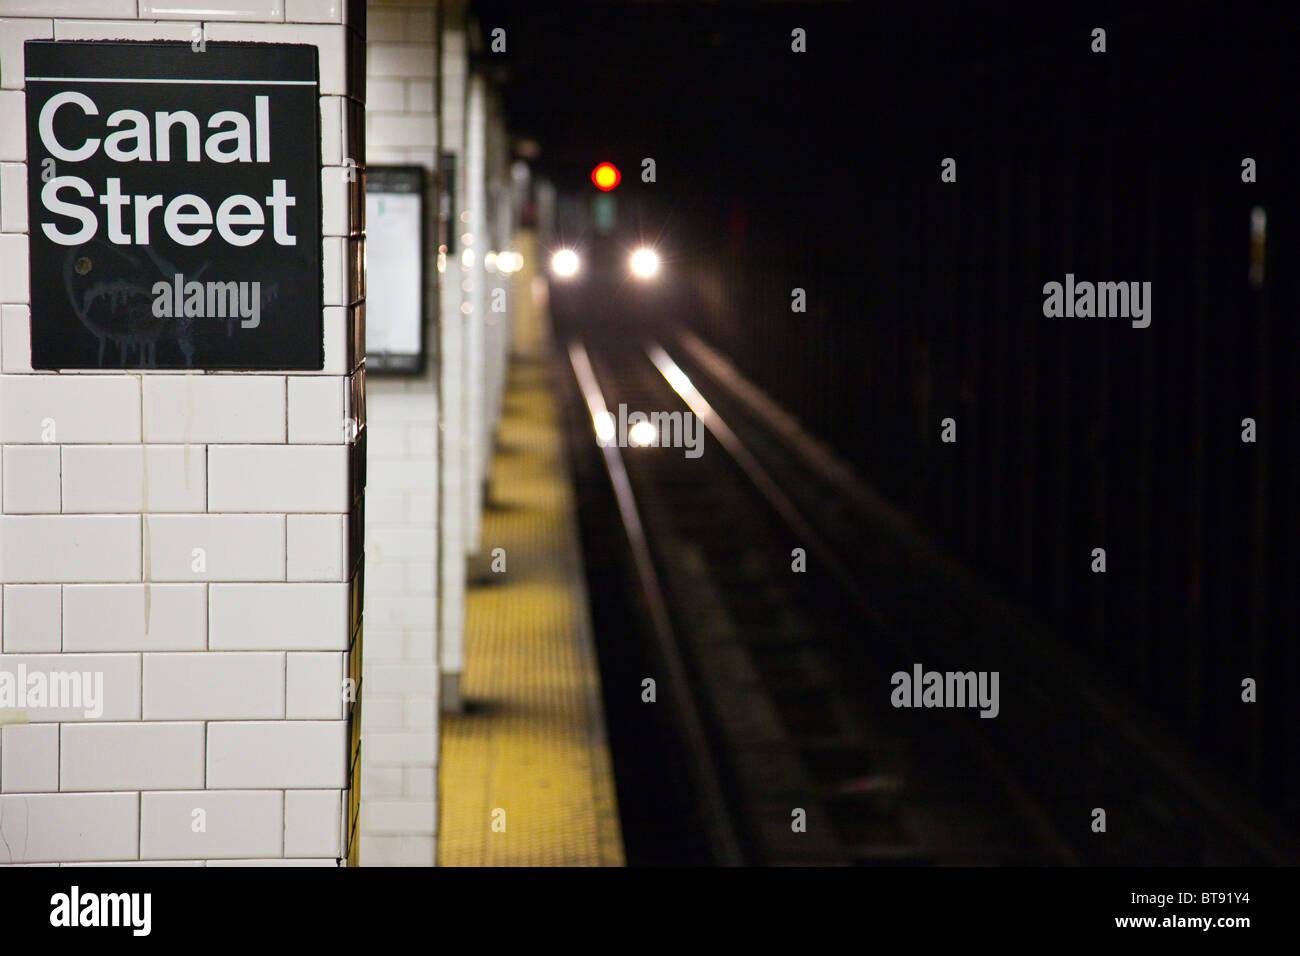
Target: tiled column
column 223, row 678
column 400, row 729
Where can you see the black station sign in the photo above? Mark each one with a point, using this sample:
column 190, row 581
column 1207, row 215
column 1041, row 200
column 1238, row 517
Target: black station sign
column 174, row 200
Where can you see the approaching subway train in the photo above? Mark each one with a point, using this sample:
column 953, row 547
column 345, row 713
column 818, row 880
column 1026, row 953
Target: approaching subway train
column 611, row 254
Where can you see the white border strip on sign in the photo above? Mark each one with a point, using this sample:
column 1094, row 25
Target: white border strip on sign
column 116, row 79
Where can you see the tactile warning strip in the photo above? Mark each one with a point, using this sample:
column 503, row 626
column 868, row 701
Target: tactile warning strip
column 525, row 773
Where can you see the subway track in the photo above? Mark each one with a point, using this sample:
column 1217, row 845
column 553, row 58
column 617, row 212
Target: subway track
column 779, row 681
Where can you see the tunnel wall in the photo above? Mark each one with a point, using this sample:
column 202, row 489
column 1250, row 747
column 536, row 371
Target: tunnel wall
column 224, row 735
column 925, row 302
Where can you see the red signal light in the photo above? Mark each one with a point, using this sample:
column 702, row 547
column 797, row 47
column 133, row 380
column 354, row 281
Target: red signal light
column 606, row 176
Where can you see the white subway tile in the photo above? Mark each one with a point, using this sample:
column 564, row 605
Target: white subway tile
column 317, row 547
column 334, row 204
column 380, row 781
column 420, row 783
column 69, row 409
column 213, row 686
column 421, row 576
column 105, row 9
column 402, row 613
column 53, row 827
column 385, row 94
column 236, row 824
column 13, row 197
column 37, row 549
column 214, row 408
column 314, row 687
column 257, row 478
column 29, row 758
column 394, row 817
column 123, row 863
column 397, row 851
column 285, row 754
column 331, row 134
column 419, row 96
column 331, row 41
column 291, row 862
column 382, row 508
column 117, row 617
column 419, row 713
column 377, row 155
column 111, row 692
column 13, row 148
column 15, row 338
column 403, row 750
column 403, row 129
column 32, row 616
column 312, row 823
column 216, row 547
column 212, row 10
column 131, row 756
column 31, row 479
column 400, row 544
column 13, row 253
column 337, row 329
column 126, row 30
column 318, row 409
column 314, row 11
column 405, row 678
column 407, row 60
column 334, row 270
column 278, row 617
column 13, row 34
column 102, row 479
column 385, row 25
column 382, row 644
column 382, row 713
column 421, row 509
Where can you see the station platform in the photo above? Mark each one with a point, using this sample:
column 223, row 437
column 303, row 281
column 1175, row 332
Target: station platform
column 526, row 777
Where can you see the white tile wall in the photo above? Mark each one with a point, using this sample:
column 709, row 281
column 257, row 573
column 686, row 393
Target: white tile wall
column 98, row 534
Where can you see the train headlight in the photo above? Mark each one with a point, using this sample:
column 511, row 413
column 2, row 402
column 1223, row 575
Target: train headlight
column 565, row 263
column 644, row 263
column 643, row 434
